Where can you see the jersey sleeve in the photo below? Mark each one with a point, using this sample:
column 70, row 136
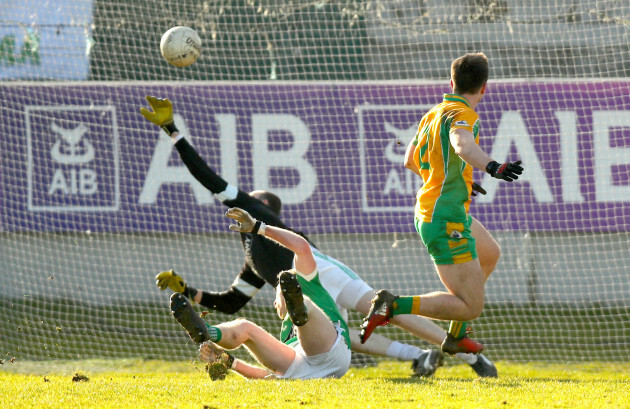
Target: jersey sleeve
column 464, row 119
column 229, row 195
column 199, row 168
column 244, row 287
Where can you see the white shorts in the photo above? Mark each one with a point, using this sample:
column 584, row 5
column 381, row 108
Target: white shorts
column 332, row 364
column 344, row 289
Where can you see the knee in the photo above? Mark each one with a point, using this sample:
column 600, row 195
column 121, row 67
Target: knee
column 490, row 258
column 243, row 326
column 236, row 332
column 474, row 311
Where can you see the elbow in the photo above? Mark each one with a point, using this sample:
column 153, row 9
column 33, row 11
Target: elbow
column 460, row 150
column 302, row 247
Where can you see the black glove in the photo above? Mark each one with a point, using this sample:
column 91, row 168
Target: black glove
column 477, row 188
column 509, row 171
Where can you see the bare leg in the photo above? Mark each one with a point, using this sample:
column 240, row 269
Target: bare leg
column 488, row 249
column 267, row 350
column 318, row 335
column 464, row 299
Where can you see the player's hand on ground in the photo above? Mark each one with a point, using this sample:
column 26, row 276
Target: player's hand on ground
column 162, row 113
column 244, row 221
column 218, row 361
column 476, row 188
column 508, row 171
column 170, row 279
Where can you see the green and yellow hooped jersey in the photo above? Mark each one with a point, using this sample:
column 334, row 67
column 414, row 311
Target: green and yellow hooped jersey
column 447, row 178
column 313, row 289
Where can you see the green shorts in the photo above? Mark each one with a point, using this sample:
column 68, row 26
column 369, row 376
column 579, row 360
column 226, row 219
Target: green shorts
column 448, row 242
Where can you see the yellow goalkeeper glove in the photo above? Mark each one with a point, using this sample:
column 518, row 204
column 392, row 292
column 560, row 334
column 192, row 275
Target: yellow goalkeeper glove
column 162, row 114
column 245, row 223
column 170, row 279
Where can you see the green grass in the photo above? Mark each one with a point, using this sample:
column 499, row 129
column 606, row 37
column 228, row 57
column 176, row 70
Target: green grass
column 159, row 384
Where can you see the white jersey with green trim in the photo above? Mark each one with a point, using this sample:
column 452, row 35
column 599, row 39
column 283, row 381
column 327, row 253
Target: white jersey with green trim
column 313, row 289
column 326, row 264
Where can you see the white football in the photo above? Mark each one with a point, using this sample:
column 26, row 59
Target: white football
column 180, row 46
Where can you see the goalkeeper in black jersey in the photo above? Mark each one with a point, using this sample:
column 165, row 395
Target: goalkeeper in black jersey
column 265, row 259
column 314, row 337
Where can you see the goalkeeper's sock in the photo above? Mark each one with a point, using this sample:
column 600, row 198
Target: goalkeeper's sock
column 215, row 333
column 407, row 305
column 470, row 359
column 404, row 352
column 458, row 328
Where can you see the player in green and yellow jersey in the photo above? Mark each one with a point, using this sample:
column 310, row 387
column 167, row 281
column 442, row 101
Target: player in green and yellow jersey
column 444, row 152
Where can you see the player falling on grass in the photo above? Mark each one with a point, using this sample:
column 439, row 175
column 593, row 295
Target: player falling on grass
column 314, row 336
column 265, row 259
column 444, row 152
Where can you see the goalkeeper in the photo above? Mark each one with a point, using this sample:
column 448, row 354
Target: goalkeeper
column 315, row 341
column 443, row 153
column 265, row 259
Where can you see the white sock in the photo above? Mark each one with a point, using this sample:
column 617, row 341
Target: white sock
column 470, row 359
column 404, row 352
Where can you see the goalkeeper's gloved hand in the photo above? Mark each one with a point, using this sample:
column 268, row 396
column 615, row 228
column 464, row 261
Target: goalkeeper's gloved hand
column 162, row 114
column 476, row 188
column 170, row 279
column 244, row 221
column 509, row 171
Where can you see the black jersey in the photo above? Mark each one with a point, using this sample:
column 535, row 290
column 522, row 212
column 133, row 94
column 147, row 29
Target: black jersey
column 264, row 258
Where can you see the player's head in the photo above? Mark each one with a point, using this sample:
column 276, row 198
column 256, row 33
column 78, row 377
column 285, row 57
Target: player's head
column 268, row 198
column 469, row 73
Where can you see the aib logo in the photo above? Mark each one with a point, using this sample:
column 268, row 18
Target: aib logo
column 68, row 149
column 72, row 158
column 384, row 133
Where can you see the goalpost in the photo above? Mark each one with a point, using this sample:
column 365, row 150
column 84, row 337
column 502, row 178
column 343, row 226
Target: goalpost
column 315, row 101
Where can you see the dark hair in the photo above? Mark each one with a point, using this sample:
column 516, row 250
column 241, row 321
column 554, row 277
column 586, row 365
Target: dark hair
column 273, row 201
column 469, row 73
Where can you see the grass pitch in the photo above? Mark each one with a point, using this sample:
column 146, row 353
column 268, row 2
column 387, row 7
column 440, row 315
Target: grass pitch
column 159, row 384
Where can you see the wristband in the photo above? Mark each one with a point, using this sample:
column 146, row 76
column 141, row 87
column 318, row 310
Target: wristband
column 169, row 128
column 259, row 228
column 231, row 361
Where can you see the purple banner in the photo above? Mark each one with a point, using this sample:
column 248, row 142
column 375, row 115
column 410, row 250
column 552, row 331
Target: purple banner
column 80, row 157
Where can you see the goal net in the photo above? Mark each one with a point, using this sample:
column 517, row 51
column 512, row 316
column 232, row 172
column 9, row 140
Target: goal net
column 315, row 101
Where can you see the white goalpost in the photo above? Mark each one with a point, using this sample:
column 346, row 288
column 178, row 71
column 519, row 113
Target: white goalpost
column 315, row 101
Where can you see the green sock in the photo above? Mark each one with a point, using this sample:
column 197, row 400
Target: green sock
column 458, row 328
column 215, row 333
column 407, row 305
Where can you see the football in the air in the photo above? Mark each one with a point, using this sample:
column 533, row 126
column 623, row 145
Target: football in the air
column 180, row 46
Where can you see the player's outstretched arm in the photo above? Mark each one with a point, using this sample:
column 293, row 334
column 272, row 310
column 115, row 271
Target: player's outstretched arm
column 304, row 260
column 463, row 142
column 161, row 114
column 230, row 195
column 243, row 289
